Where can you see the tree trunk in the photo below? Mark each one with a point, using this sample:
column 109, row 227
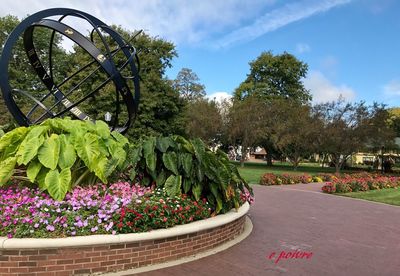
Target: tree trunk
column 269, row 159
column 243, row 158
column 324, row 156
column 337, row 166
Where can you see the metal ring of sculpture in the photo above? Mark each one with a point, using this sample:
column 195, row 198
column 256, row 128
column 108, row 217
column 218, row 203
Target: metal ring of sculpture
column 62, row 99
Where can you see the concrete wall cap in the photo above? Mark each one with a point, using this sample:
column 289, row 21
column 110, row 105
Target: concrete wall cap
column 214, row 222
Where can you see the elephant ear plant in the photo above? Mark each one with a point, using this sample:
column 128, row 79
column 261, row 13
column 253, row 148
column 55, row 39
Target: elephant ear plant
column 61, row 153
column 183, row 166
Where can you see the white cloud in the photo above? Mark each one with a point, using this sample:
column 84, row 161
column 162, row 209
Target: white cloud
column 392, row 89
column 303, row 48
column 323, row 90
column 180, row 21
column 278, row 18
column 219, row 96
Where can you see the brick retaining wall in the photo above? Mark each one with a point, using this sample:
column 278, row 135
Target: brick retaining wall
column 112, row 257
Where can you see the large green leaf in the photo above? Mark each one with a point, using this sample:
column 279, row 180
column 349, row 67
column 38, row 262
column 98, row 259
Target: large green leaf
column 33, row 170
column 58, row 183
column 148, row 146
column 187, row 163
column 118, row 153
column 184, row 143
column 10, row 142
column 173, row 185
column 41, row 177
column 102, row 167
column 134, row 154
column 36, row 131
column 149, row 154
column 15, row 134
column 49, row 152
column 217, row 196
column 102, row 129
column 60, row 125
column 6, row 169
column 122, row 140
column 196, row 191
column 170, row 161
column 199, row 172
column 67, row 152
column 199, row 149
column 187, row 184
column 160, row 180
column 163, row 143
column 151, row 162
column 29, row 149
column 87, row 149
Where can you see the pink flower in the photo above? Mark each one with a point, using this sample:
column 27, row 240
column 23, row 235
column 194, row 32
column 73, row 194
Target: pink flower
column 50, row 228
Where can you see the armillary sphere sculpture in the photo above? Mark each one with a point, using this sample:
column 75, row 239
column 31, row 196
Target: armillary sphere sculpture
column 111, row 70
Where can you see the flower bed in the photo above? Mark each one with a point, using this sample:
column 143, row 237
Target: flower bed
column 106, row 253
column 280, row 179
column 97, row 209
column 360, row 182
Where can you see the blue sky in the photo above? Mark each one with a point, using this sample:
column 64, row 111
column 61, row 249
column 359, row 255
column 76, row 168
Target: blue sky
column 352, row 47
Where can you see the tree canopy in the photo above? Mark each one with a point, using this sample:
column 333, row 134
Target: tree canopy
column 188, row 84
column 275, row 76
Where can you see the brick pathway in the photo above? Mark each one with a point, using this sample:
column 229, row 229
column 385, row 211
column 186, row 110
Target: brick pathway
column 346, row 237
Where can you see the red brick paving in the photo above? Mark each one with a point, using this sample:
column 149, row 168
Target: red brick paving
column 346, row 237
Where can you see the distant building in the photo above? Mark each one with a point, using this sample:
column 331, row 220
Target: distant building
column 259, row 154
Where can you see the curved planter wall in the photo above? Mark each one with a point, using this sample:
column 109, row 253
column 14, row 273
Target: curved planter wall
column 105, row 253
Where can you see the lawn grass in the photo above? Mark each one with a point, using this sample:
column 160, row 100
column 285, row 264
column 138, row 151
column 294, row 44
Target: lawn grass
column 252, row 171
column 389, row 196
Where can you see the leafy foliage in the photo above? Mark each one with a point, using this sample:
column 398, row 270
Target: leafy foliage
column 61, row 153
column 188, row 85
column 275, row 76
column 186, row 166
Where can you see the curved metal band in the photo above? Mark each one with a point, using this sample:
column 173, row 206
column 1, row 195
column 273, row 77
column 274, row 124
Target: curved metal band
column 78, row 39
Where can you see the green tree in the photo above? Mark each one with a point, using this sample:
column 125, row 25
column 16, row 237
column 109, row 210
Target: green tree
column 394, row 119
column 161, row 110
column 204, row 120
column 275, row 76
column 351, row 127
column 293, row 130
column 188, row 85
column 246, row 123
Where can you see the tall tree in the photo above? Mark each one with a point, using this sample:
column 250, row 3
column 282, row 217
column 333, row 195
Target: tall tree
column 351, row 127
column 394, row 119
column 189, row 86
column 293, row 130
column 246, row 123
column 274, row 77
column 204, row 120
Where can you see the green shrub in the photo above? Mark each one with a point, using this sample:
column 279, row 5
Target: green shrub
column 61, row 153
column 183, row 166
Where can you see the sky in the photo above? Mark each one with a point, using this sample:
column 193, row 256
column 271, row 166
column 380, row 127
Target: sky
column 352, row 47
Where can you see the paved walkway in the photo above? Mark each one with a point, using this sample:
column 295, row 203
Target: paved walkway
column 345, row 236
